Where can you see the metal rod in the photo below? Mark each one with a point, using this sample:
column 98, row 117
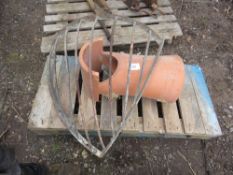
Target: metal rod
column 150, row 72
column 77, row 61
column 91, row 83
column 55, row 67
column 68, row 71
column 77, row 80
column 129, row 70
column 110, row 74
column 143, row 64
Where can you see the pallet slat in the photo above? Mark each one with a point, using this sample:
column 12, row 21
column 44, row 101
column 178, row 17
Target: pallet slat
column 204, row 101
column 166, row 30
column 45, row 116
column 160, row 2
column 124, row 12
column 147, row 20
column 87, row 110
column 171, row 118
column 190, row 111
column 151, row 120
column 63, row 81
column 78, row 7
column 133, row 120
column 54, row 1
column 105, row 120
column 84, row 7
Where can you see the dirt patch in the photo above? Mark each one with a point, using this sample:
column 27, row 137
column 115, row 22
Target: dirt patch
column 207, row 41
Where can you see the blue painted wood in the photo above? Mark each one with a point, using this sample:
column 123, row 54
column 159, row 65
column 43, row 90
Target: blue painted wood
column 210, row 120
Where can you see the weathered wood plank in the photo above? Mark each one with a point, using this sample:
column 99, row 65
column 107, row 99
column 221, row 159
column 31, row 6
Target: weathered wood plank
column 41, row 108
column 190, row 111
column 133, row 120
column 105, row 120
column 40, row 114
column 67, row 96
column 124, row 12
column 54, row 1
column 151, row 120
column 43, row 113
column 146, row 20
column 171, row 118
column 65, row 17
column 165, row 30
column 86, row 110
column 84, row 7
column 208, row 114
column 78, row 7
column 160, row 2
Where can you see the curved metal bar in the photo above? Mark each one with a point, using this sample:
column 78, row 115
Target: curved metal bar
column 143, row 64
column 77, row 80
column 91, row 83
column 68, row 69
column 110, row 77
column 67, row 121
column 129, row 70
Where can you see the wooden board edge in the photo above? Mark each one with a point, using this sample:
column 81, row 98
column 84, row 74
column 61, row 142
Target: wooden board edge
column 43, row 101
column 47, row 40
column 205, row 102
column 62, row 131
column 39, row 101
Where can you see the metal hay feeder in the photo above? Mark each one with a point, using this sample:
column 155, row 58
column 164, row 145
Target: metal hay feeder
column 100, row 145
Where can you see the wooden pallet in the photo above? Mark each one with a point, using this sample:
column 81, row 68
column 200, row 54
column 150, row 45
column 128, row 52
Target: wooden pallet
column 192, row 116
column 62, row 12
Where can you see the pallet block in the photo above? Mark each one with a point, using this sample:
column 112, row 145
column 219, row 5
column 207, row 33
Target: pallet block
column 61, row 12
column 192, row 116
